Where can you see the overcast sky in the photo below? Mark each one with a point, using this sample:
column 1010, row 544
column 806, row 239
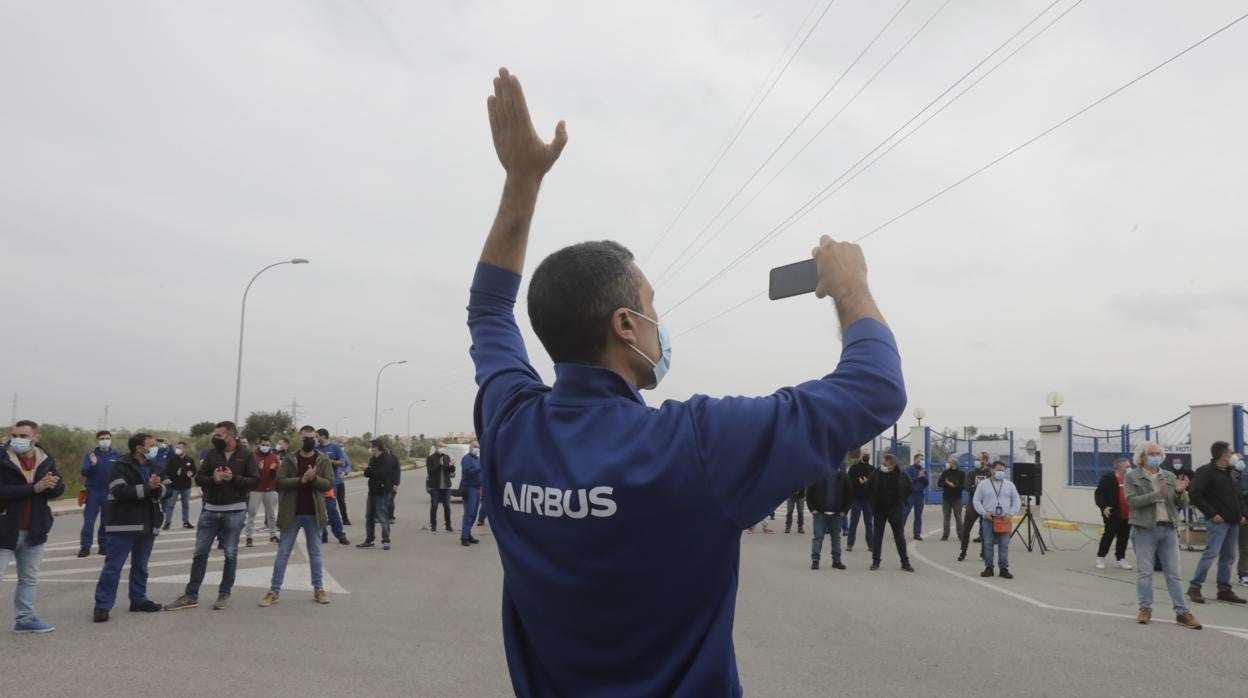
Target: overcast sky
column 154, row 155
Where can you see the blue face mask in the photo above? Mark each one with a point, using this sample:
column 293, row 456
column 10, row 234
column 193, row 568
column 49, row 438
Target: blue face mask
column 664, row 363
column 1154, row 461
column 20, row 445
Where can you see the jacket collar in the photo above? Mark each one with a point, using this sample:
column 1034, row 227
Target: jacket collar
column 581, row 384
column 11, row 458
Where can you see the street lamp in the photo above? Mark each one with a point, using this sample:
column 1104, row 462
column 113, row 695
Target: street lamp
column 1054, row 400
column 409, row 421
column 919, row 414
column 242, row 323
column 337, row 430
column 377, row 394
column 383, row 413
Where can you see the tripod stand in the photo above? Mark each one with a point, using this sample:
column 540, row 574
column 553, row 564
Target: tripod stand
column 1033, row 537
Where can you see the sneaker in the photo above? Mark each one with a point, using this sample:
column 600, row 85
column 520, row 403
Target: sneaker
column 1230, row 597
column 472, row 540
column 182, row 603
column 270, row 598
column 84, row 552
column 907, row 568
column 187, row 524
column 986, row 573
column 250, row 543
column 346, row 522
column 464, row 542
column 1194, row 594
column 344, row 541
column 836, row 565
column 365, row 544
column 320, row 596
column 34, row 625
column 875, row 566
column 977, row 539
column 961, row 556
column 1100, row 563
column 1244, row 580
column 801, row 530
column 1124, row 565
column 434, row 531
column 787, row 530
column 385, row 546
column 99, row 615
column 165, row 527
column 1145, row 616
column 1005, row 573
column 1187, row 620
column 814, row 564
column 449, row 529
column 148, row 606
column 222, row 602
column 849, row 548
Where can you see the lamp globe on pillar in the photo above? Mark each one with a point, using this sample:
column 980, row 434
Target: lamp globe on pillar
column 1054, row 400
column 919, row 414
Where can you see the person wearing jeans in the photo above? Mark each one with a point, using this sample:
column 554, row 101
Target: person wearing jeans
column 1156, row 497
column 997, row 499
column 303, row 478
column 180, row 470
column 342, row 465
column 28, row 480
column 950, row 484
column 380, row 472
column 265, row 494
column 439, row 473
column 827, row 500
column 470, row 484
column 1215, row 492
column 860, row 504
column 795, row 501
column 226, row 474
column 1111, row 500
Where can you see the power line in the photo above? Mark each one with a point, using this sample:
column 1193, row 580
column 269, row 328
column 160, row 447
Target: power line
column 799, row 213
column 732, row 139
column 799, row 152
column 1030, row 141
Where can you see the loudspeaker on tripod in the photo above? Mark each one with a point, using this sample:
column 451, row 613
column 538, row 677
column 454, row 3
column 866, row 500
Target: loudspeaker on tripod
column 1027, row 479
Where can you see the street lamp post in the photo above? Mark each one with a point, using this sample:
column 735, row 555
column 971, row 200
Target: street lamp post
column 377, row 394
column 242, row 323
column 409, row 421
column 337, row 425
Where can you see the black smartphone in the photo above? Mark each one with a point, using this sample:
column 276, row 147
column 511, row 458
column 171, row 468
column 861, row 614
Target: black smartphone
column 793, row 280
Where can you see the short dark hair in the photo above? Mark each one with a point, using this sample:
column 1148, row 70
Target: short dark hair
column 322, row 432
column 995, row 463
column 573, row 294
column 307, row 427
column 378, row 444
column 264, row 438
column 137, row 440
column 27, row 423
column 181, row 443
column 103, row 432
column 890, row 458
column 1219, row 449
column 230, row 427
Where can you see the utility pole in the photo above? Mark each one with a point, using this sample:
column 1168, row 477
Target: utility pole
column 105, row 424
column 14, row 420
column 294, row 411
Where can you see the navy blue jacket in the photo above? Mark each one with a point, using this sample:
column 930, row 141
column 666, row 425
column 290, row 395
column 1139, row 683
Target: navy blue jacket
column 15, row 494
column 96, row 476
column 133, row 505
column 918, row 481
column 471, row 474
column 588, row 491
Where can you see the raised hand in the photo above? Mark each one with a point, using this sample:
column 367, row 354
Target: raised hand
column 521, row 151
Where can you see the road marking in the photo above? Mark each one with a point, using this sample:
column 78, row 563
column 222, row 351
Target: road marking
column 169, row 563
column 1238, row 632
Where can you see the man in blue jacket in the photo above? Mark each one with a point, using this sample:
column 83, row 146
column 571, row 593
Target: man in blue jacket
column 616, row 579
column 470, row 485
column 917, row 472
column 342, row 465
column 96, row 466
column 132, row 517
column 28, row 480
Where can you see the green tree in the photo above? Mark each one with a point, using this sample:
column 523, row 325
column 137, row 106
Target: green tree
column 271, row 424
column 203, row 428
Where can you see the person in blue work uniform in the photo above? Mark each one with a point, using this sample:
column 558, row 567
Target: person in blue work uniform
column 917, row 472
column 342, row 465
column 470, row 484
column 616, row 580
column 132, row 519
column 96, row 467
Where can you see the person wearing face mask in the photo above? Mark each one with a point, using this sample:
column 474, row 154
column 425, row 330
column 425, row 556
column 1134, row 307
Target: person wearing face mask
column 303, row 479
column 950, row 484
column 28, row 481
column 96, row 466
column 888, row 489
column 342, row 465
column 133, row 516
column 180, row 471
column 917, row 499
column 974, row 479
column 225, row 476
column 1155, row 497
column 1242, row 482
column 1216, row 494
column 859, row 500
column 997, row 501
column 606, row 510
column 1111, row 499
column 470, row 482
column 265, row 494
column 439, row 474
column 380, row 472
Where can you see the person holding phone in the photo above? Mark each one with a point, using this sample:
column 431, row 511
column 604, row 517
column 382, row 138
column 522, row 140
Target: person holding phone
column 996, row 502
column 1156, row 497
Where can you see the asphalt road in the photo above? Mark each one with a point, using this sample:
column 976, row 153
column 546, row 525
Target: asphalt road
column 423, row 620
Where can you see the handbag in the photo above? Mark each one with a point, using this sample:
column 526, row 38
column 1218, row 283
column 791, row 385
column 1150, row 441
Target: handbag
column 82, row 497
column 1001, row 524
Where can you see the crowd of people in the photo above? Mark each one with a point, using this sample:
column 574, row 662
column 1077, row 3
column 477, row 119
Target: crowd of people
column 130, row 496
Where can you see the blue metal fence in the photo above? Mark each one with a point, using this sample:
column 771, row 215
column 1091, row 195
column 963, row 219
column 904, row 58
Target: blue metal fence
column 1094, row 450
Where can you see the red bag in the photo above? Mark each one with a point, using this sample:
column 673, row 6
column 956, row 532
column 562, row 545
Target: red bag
column 1002, row 524
column 82, row 498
